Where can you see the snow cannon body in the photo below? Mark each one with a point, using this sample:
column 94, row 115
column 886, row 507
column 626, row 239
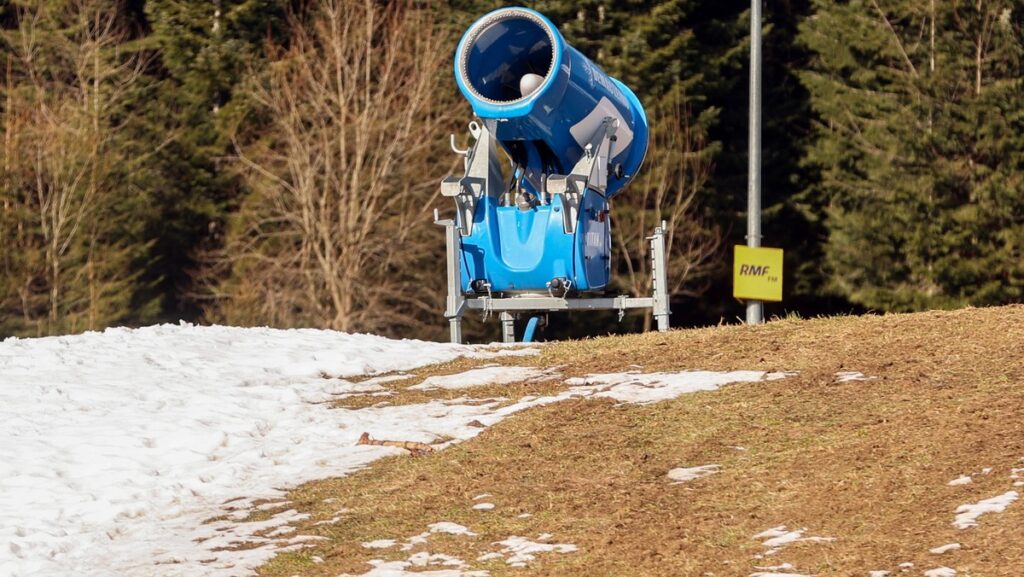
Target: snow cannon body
column 573, row 137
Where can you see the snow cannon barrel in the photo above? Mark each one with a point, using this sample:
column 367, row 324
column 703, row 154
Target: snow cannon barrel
column 543, row 100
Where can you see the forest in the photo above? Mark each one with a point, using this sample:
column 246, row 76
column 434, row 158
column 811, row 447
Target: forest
column 277, row 162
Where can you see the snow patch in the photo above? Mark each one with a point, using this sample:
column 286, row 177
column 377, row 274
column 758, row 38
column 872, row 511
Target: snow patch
column 498, row 350
column 380, row 544
column 449, row 528
column 967, row 515
column 944, row 549
column 940, row 572
column 776, row 538
column 642, row 388
column 492, row 375
column 683, row 475
column 398, row 569
column 848, row 376
column 483, row 506
column 519, row 551
column 961, row 480
column 128, row 440
column 424, row 559
column 879, row 573
column 782, row 567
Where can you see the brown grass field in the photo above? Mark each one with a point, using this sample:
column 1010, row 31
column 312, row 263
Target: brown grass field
column 864, row 462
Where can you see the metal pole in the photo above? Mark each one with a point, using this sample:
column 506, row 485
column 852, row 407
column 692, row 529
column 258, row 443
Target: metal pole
column 755, row 309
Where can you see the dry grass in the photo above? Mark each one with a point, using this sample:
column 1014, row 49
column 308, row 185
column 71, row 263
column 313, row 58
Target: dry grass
column 865, row 462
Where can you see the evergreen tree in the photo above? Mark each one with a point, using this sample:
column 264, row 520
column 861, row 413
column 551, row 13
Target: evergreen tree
column 205, row 49
column 921, row 150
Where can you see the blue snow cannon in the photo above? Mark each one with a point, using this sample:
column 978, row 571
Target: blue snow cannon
column 537, row 221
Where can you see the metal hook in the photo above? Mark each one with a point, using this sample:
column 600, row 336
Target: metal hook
column 455, row 148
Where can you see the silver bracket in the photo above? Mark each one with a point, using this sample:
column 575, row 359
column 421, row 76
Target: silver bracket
column 590, row 172
column 455, row 305
column 659, row 276
column 482, row 177
column 508, row 327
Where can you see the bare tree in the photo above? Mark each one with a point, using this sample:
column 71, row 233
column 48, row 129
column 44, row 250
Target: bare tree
column 64, row 83
column 676, row 172
column 340, row 173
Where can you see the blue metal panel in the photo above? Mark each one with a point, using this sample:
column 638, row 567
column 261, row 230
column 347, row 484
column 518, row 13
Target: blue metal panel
column 519, row 251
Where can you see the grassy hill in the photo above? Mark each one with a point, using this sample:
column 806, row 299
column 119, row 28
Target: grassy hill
column 866, row 462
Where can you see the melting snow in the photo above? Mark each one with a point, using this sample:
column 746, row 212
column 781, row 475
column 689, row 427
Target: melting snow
column 968, row 514
column 424, row 559
column 520, row 550
column 847, row 376
column 445, row 527
column 634, row 387
column 450, row 529
column 682, row 475
column 483, row 506
column 776, row 538
column 492, row 375
column 940, row 572
column 398, row 569
column 771, row 574
column 961, row 480
column 380, row 544
column 879, row 573
column 126, row 441
column 783, row 567
column 944, row 549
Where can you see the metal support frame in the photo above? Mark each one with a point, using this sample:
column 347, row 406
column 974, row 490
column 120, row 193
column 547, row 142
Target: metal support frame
column 456, row 303
column 508, row 308
column 508, row 327
column 659, row 274
column 482, row 178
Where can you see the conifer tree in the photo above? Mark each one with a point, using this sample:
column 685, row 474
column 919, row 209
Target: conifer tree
column 205, row 48
column 921, row 150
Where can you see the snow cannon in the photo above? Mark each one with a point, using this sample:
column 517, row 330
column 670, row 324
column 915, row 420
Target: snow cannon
column 545, row 101
column 554, row 140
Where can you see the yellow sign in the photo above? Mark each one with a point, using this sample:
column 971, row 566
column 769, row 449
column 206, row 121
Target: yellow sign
column 757, row 274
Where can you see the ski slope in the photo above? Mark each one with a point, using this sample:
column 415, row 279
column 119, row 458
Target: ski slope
column 118, row 448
